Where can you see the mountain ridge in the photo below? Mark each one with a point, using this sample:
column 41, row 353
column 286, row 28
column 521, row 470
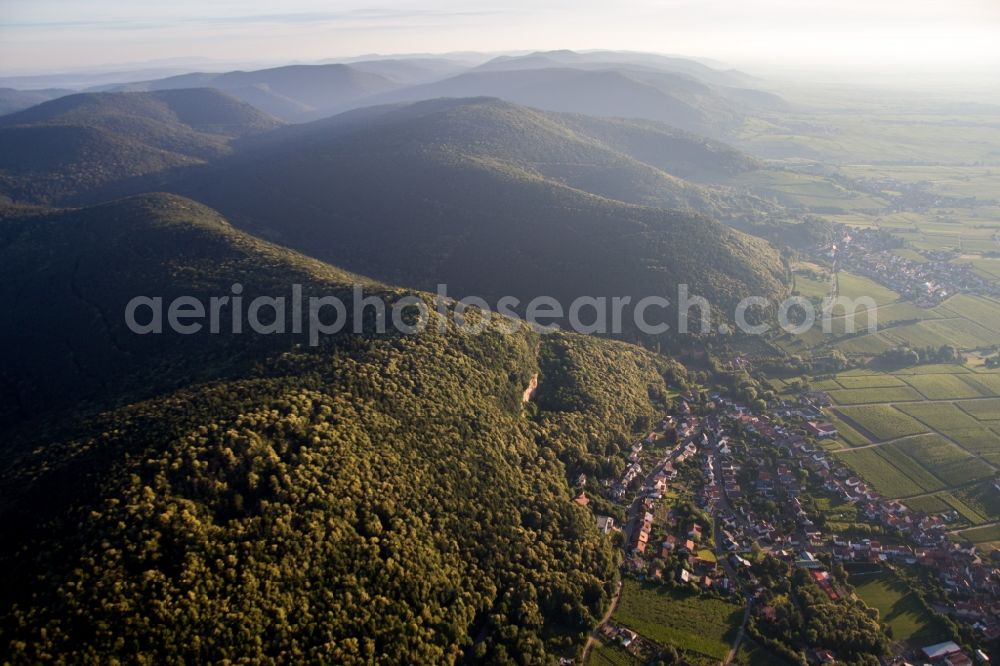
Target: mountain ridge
column 77, row 144
column 488, row 225
column 143, row 530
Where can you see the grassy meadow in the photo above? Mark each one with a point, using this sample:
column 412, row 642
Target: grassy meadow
column 898, row 608
column 686, row 620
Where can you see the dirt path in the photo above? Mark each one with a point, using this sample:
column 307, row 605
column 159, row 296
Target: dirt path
column 883, row 443
column 607, row 616
column 978, row 456
column 931, row 431
column 739, row 636
column 723, row 560
column 865, row 432
column 974, row 527
column 949, row 489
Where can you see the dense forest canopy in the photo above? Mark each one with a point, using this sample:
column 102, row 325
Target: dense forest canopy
column 491, row 198
column 378, row 497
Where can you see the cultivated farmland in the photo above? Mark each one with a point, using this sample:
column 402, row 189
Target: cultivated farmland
column 983, row 410
column 883, row 421
column 939, row 445
column 863, row 396
column 885, row 477
column 943, row 387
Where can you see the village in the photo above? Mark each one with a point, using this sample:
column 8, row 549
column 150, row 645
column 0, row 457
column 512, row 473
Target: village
column 715, row 490
column 871, row 253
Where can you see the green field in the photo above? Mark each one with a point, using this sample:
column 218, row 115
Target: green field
column 944, row 445
column 956, row 424
column 921, row 460
column 975, row 308
column 942, row 387
column 887, row 479
column 848, row 434
column 962, row 333
column 941, row 416
column 857, row 286
column 987, row 383
column 921, row 464
column 933, row 369
column 810, row 287
column 864, row 396
column 868, row 381
column 883, row 421
column 990, row 533
column 980, row 441
column 825, row 384
column 967, row 512
column 904, row 311
column 982, row 410
column 965, row 321
column 988, row 268
column 983, row 498
column 806, row 190
column 685, row 620
column 929, row 504
column 865, row 345
column 931, row 451
column 954, row 180
column 899, row 608
column 964, row 471
column 970, row 512
column 885, row 133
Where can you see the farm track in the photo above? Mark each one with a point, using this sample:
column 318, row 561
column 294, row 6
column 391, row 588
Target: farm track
column 935, row 431
column 592, row 639
column 907, row 402
column 974, row 527
column 874, row 445
column 932, row 431
column 961, row 486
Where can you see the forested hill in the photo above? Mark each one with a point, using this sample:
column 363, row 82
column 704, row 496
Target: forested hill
column 491, row 198
column 69, row 274
column 376, row 498
column 64, row 148
column 636, row 161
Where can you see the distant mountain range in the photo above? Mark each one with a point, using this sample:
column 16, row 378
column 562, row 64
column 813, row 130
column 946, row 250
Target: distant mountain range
column 293, row 92
column 612, row 59
column 685, row 93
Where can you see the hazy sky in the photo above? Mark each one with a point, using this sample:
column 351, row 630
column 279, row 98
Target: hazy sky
column 38, row 35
